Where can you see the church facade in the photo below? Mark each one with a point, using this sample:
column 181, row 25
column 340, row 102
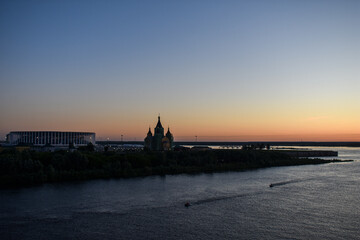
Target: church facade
column 159, row 141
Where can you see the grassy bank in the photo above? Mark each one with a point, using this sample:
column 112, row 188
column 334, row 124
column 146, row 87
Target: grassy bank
column 18, row 169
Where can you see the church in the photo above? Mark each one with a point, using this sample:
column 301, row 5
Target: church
column 159, row 141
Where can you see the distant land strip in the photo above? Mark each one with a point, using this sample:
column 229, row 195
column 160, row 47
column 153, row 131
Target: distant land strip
column 193, row 143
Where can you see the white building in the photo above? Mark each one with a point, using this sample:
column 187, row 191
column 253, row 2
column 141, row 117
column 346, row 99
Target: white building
column 53, row 138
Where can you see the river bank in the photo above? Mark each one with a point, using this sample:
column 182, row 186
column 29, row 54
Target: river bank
column 21, row 169
column 308, row 202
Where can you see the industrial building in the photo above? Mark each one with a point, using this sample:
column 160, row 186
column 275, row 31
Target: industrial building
column 53, row 138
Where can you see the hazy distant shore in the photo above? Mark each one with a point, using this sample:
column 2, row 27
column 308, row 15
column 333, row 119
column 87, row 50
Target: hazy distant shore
column 271, row 143
column 19, row 169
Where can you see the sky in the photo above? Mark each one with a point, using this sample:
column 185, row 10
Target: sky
column 220, row 70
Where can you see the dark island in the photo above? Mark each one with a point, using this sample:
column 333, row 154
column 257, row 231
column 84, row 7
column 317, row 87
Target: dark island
column 26, row 168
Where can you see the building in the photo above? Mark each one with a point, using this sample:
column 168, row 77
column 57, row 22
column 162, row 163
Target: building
column 159, row 141
column 50, row 138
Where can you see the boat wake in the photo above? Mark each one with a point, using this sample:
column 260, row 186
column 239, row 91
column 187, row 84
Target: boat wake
column 221, row 198
column 291, row 181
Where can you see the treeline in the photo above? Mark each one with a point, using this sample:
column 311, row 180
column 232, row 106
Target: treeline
column 27, row 168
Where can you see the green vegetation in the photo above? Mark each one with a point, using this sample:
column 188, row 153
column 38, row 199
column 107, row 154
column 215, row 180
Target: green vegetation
column 27, row 168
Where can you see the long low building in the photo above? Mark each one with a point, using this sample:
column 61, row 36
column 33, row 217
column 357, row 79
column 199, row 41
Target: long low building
column 53, row 138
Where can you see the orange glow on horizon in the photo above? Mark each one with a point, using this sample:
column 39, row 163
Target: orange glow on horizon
column 208, row 126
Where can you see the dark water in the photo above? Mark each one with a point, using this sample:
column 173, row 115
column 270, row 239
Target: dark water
column 306, row 202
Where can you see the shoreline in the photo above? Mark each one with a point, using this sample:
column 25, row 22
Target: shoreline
column 227, row 143
column 35, row 168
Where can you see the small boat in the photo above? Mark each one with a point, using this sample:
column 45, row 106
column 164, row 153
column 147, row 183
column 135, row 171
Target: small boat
column 271, row 185
column 187, row 204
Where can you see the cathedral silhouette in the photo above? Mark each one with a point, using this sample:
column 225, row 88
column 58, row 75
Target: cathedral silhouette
column 159, row 142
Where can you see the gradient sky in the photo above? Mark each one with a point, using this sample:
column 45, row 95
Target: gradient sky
column 221, row 70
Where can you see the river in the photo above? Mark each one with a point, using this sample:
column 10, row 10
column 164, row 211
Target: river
column 306, row 202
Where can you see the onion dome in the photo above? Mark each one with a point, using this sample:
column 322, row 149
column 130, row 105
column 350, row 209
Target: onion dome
column 169, row 135
column 149, row 132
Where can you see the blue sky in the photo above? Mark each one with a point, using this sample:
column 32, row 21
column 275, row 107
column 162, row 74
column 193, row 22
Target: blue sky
column 112, row 66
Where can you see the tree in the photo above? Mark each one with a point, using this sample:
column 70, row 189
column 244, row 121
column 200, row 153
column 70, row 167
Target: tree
column 90, row 147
